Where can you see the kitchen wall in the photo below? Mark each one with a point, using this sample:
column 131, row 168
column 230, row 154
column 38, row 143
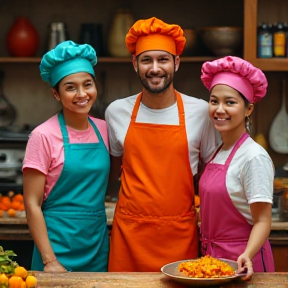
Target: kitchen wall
column 32, row 98
column 187, row 13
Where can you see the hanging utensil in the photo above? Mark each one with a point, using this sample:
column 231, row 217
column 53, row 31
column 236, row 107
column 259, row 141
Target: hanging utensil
column 7, row 111
column 278, row 134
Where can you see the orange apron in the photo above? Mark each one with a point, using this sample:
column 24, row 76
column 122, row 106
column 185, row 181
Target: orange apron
column 155, row 218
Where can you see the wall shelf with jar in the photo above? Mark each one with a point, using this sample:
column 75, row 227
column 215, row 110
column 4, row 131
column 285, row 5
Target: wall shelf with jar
column 101, row 59
column 257, row 11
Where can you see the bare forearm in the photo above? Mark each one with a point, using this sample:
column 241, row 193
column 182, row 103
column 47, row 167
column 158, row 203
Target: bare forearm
column 39, row 234
column 258, row 236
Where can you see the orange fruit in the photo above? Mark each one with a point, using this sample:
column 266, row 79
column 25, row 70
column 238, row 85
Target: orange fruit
column 11, row 212
column 31, row 281
column 16, row 282
column 3, row 280
column 21, row 207
column 21, row 272
column 4, row 206
column 15, row 205
column 6, row 201
column 18, row 197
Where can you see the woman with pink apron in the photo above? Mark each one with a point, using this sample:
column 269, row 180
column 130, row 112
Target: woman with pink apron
column 236, row 198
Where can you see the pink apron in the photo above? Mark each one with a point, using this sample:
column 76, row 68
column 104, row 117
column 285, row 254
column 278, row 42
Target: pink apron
column 224, row 230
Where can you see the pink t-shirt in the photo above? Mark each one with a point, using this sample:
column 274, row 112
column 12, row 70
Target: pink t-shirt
column 45, row 152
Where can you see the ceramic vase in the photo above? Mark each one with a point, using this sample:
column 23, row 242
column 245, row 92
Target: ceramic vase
column 122, row 22
column 22, row 38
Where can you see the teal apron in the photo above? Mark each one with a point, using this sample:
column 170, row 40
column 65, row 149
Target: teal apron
column 74, row 211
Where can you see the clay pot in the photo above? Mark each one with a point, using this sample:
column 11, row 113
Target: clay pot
column 22, row 38
column 122, row 22
column 190, row 35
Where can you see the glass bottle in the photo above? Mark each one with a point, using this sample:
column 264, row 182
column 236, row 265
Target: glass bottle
column 264, row 41
column 279, row 40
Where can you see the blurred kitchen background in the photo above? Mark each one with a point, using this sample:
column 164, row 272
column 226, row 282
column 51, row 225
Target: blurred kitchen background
column 28, row 100
column 32, row 98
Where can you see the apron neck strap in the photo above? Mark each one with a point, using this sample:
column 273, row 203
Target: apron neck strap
column 95, row 128
column 244, row 136
column 136, row 107
column 63, row 127
column 180, row 106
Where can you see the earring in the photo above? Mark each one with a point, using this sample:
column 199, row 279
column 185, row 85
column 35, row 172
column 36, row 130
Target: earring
column 247, row 123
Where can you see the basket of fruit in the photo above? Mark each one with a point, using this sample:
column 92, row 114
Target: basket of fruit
column 12, row 205
column 11, row 274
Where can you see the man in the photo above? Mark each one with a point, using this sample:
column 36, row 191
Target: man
column 156, row 138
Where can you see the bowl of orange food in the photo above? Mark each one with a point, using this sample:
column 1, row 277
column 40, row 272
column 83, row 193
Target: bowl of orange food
column 204, row 271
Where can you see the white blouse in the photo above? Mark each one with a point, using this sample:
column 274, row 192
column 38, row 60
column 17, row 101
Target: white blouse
column 249, row 177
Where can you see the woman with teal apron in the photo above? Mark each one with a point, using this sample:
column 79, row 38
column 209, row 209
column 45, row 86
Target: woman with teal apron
column 74, row 210
column 74, row 213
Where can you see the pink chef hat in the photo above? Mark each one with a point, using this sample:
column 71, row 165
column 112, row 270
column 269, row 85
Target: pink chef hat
column 236, row 73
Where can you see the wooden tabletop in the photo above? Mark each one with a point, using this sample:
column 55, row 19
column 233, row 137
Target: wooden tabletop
column 145, row 280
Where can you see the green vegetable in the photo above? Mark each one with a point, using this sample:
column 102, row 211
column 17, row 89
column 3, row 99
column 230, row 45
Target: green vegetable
column 7, row 265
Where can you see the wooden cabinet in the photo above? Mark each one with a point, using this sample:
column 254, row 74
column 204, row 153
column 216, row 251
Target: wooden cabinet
column 279, row 244
column 255, row 11
column 275, row 69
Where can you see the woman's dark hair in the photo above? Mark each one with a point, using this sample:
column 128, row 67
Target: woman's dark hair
column 246, row 102
column 248, row 121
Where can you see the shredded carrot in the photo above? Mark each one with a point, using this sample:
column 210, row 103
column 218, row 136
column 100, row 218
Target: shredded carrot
column 206, row 267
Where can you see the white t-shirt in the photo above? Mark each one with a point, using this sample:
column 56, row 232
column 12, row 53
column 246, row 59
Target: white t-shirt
column 201, row 135
column 249, row 177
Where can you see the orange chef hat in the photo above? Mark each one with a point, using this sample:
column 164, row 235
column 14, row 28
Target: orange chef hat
column 154, row 34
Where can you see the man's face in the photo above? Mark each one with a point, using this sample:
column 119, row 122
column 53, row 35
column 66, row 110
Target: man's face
column 155, row 70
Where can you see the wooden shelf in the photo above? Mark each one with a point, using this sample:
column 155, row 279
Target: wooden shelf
column 112, row 60
column 271, row 64
column 250, row 41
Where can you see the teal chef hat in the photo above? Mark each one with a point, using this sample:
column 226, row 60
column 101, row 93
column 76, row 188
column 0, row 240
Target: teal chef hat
column 65, row 59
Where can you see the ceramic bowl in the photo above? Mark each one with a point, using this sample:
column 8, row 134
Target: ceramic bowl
column 190, row 45
column 223, row 40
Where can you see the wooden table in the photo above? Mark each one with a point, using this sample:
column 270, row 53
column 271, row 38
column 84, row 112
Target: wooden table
column 145, row 280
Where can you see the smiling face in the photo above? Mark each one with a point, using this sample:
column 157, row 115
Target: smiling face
column 227, row 110
column 77, row 93
column 156, row 70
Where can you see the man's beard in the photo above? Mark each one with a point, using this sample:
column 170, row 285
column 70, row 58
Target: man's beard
column 156, row 90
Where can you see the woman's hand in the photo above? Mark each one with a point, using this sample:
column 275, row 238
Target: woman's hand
column 54, row 266
column 245, row 264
